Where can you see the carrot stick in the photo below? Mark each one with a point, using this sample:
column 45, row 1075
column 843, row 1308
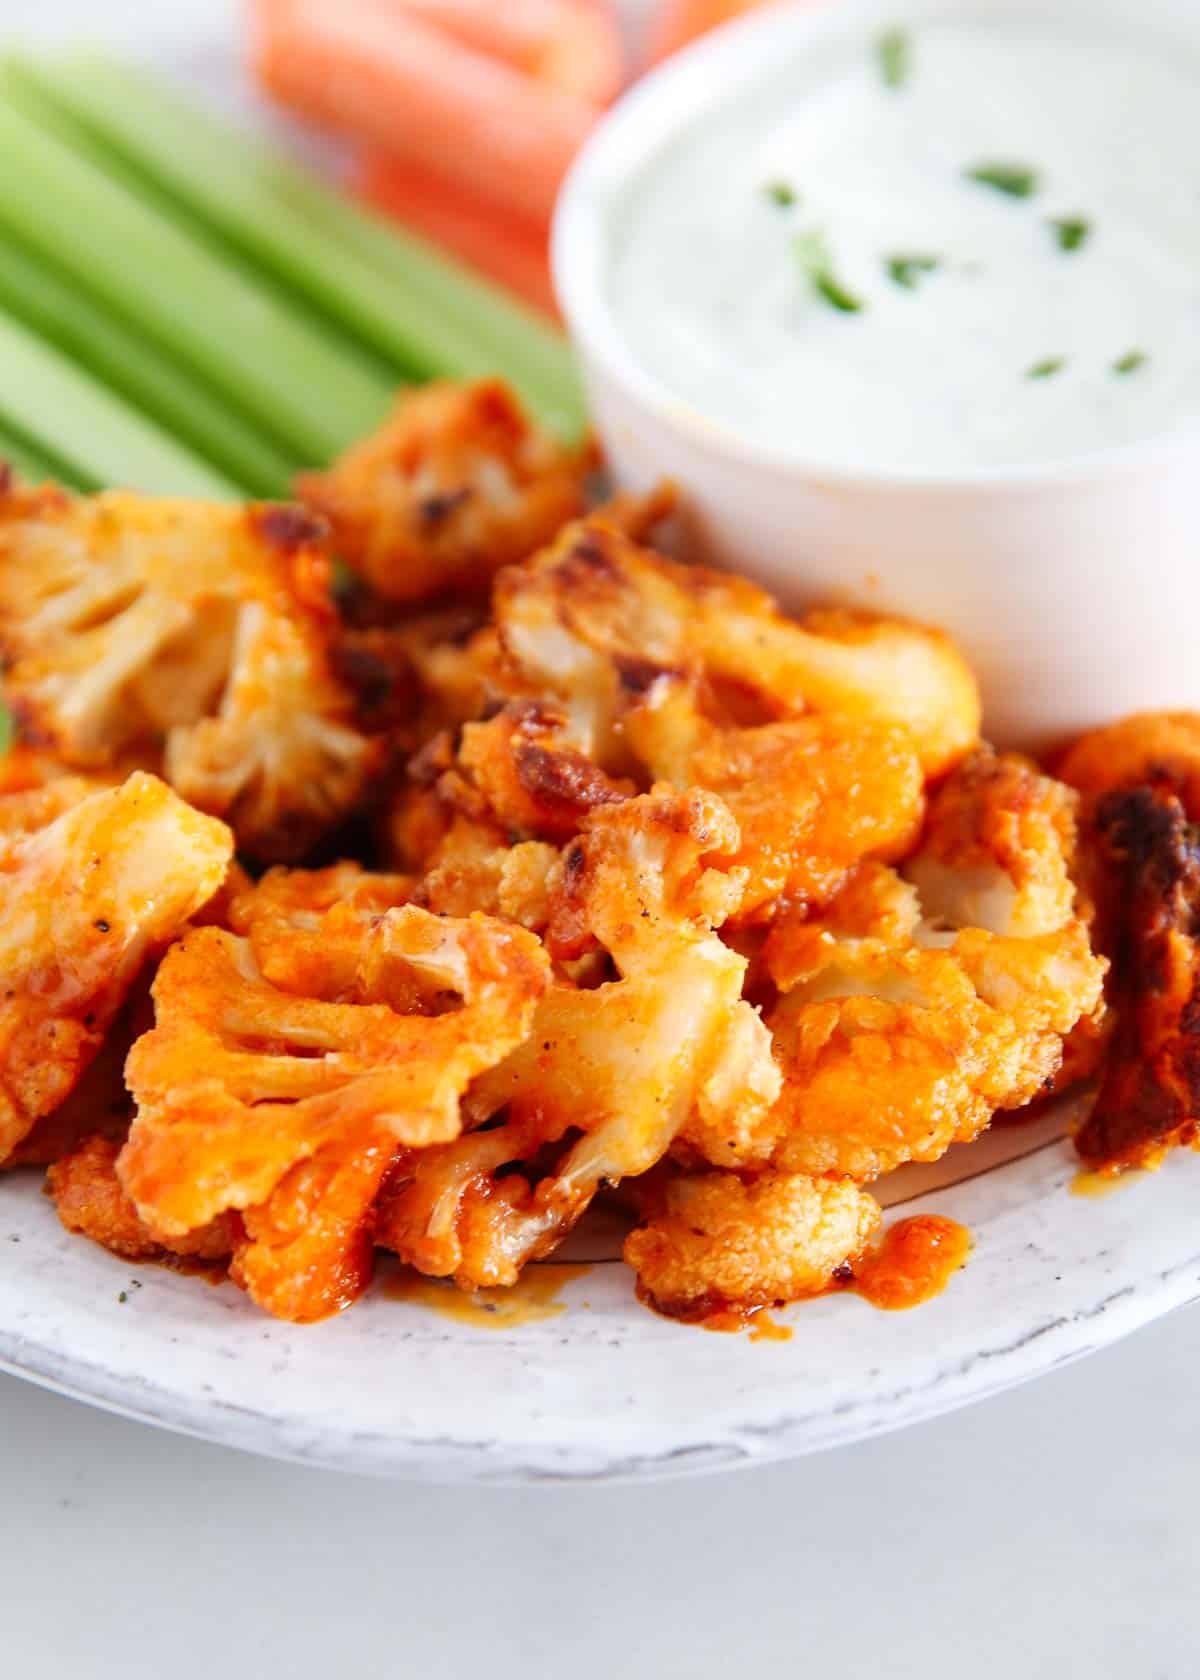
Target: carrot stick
column 572, row 44
column 513, row 253
column 396, row 84
column 678, row 23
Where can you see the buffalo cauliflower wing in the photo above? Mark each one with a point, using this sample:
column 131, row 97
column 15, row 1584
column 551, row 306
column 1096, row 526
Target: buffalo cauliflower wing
column 175, row 635
column 812, row 796
column 718, row 1241
column 998, row 849
column 86, row 901
column 458, row 483
column 289, row 1107
column 90, row 1199
column 595, row 620
column 521, row 767
column 1150, row 747
column 1149, row 1098
column 608, row 1076
column 903, row 1026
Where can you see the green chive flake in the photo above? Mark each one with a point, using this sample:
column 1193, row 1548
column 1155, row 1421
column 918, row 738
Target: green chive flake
column 908, row 271
column 812, row 253
column 1070, row 231
column 1130, row 361
column 1047, row 368
column 894, row 51
column 1015, row 180
column 781, row 193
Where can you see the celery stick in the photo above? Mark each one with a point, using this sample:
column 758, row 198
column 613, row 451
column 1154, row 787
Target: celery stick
column 136, row 369
column 64, row 411
column 312, row 394
column 425, row 312
column 35, row 465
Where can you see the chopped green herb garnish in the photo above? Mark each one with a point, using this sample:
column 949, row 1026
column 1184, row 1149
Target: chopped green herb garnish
column 1070, row 231
column 908, row 271
column 895, row 57
column 1015, row 179
column 1047, row 368
column 1130, row 361
column 812, row 253
column 781, row 193
column 837, row 295
column 122, row 1297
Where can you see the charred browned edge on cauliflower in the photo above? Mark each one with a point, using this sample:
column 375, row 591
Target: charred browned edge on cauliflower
column 1140, row 784
column 1149, row 1099
column 616, row 876
column 457, row 484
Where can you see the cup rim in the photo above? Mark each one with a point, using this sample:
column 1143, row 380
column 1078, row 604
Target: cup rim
column 660, row 105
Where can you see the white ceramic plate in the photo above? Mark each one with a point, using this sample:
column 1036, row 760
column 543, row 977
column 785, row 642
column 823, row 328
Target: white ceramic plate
column 604, row 1389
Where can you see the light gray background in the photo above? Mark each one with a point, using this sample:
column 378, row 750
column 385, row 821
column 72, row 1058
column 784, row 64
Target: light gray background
column 1051, row 1533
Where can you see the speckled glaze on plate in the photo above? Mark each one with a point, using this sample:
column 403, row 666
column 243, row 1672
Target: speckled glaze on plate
column 606, row 1389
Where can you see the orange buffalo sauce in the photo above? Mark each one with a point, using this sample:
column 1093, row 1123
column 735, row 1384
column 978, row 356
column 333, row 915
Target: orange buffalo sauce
column 729, row 1319
column 1104, row 1180
column 914, row 1262
column 534, row 1296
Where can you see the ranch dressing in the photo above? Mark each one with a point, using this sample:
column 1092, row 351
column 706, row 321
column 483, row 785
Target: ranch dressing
column 815, row 266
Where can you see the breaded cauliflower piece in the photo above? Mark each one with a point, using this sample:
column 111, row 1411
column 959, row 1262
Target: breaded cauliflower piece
column 812, row 796
column 306, row 926
column 594, row 621
column 998, row 849
column 1149, row 1101
column 1150, row 747
column 897, row 1036
column 290, row 1108
column 627, row 1064
column 720, row 1241
column 173, row 634
column 457, row 483
column 528, row 777
column 85, row 1189
column 86, row 901
column 891, row 1054
column 99, row 1105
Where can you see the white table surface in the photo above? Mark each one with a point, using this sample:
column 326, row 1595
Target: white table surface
column 1051, row 1533
column 1048, row 1534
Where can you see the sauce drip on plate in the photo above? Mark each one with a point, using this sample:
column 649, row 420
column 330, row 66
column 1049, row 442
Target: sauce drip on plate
column 914, row 1262
column 1103, row 1183
column 534, row 1297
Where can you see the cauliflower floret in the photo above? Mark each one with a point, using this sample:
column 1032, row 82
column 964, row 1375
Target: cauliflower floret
column 899, row 1036
column 306, row 926
column 456, row 484
column 530, row 779
column 1149, row 1101
column 85, row 902
column 173, row 633
column 892, row 1054
column 594, row 621
column 627, row 1064
column 100, row 1104
column 85, row 1189
column 1150, row 747
column 874, row 669
column 290, row 1108
column 812, row 796
column 719, row 1241
column 998, row 849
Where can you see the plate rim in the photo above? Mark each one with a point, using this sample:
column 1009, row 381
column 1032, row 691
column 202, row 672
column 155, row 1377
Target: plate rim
column 995, row 1361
